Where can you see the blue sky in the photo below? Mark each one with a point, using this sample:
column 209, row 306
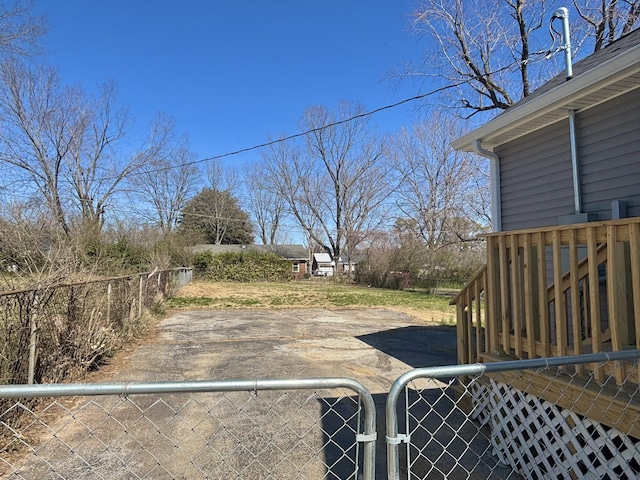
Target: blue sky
column 233, row 72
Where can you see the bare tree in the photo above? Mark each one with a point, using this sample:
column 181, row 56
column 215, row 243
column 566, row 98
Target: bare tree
column 481, row 49
column 441, row 188
column 267, row 207
column 66, row 145
column 32, row 247
column 608, row 19
column 21, row 31
column 222, row 179
column 167, row 180
column 334, row 181
column 485, row 55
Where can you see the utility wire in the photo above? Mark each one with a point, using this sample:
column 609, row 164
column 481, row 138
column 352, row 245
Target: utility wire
column 293, row 136
column 286, row 138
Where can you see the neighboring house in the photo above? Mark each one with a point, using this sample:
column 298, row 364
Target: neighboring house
column 298, row 255
column 563, row 261
column 322, row 265
column 347, row 264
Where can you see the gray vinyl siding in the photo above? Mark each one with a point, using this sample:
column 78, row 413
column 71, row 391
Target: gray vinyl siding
column 536, row 185
column 609, row 151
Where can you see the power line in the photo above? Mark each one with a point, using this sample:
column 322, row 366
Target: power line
column 283, row 139
column 293, row 136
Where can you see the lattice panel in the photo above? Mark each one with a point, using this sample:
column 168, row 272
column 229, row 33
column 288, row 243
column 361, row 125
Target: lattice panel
column 541, row 440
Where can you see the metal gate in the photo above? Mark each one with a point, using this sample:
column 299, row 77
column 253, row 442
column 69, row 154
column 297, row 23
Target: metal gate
column 309, row 428
column 516, row 419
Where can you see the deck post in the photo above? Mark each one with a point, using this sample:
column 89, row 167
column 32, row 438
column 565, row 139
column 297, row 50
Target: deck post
column 543, row 305
column 503, row 279
column 516, row 297
column 617, row 322
column 529, row 294
column 492, row 298
column 634, row 258
column 560, row 311
column 461, row 332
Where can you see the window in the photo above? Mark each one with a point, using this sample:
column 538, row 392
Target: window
column 296, row 267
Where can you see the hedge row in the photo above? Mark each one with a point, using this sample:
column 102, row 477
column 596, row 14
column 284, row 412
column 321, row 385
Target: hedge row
column 246, row 266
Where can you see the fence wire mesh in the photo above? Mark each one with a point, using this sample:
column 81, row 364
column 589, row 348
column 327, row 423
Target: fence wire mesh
column 257, row 434
column 54, row 333
column 528, row 419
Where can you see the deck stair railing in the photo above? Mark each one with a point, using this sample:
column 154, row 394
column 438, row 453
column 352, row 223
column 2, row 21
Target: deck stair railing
column 554, row 291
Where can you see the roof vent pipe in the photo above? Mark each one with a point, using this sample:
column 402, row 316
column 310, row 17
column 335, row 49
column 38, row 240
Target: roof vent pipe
column 563, row 14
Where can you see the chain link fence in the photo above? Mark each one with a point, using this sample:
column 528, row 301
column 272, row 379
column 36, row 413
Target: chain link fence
column 53, row 333
column 263, row 429
column 533, row 419
column 538, row 419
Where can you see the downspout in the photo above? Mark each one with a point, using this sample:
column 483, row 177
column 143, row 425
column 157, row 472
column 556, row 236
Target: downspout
column 494, row 172
column 577, row 194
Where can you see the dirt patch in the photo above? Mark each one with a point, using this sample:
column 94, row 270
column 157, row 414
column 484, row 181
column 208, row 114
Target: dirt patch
column 221, row 289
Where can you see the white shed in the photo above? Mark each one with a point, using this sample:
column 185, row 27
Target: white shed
column 323, row 265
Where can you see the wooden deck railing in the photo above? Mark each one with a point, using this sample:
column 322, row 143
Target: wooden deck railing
column 554, row 291
column 471, row 315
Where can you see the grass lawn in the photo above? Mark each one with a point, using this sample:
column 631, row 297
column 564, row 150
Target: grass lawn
column 311, row 294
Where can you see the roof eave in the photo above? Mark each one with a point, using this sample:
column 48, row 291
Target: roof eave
column 622, row 65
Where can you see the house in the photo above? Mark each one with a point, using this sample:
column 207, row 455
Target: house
column 298, row 255
column 563, row 261
column 534, row 182
column 322, row 265
column 346, row 264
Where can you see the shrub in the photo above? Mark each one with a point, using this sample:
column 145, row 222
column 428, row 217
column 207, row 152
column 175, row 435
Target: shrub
column 246, row 266
column 201, row 263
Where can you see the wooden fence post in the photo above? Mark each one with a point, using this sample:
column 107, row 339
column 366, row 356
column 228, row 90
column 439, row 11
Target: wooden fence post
column 140, row 296
column 109, row 303
column 33, row 340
